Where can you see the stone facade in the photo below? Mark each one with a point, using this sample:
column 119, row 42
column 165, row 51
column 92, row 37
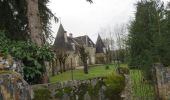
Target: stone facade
column 70, row 44
column 91, row 51
column 162, row 81
column 100, row 58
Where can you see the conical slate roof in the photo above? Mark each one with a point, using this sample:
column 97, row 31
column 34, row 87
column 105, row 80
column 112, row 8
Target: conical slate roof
column 99, row 45
column 60, row 40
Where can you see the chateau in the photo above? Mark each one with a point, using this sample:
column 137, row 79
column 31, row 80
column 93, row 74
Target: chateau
column 68, row 44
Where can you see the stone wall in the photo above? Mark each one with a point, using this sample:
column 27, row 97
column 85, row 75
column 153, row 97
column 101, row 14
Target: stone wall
column 12, row 84
column 76, row 91
column 162, row 81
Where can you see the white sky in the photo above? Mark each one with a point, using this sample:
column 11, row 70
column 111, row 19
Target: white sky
column 82, row 18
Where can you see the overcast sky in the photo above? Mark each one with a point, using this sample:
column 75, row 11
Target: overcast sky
column 82, row 18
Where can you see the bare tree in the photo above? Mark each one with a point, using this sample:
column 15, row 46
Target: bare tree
column 108, row 39
column 84, row 57
column 120, row 32
column 62, row 56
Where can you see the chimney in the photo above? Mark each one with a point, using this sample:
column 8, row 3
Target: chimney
column 71, row 35
column 65, row 37
column 86, row 40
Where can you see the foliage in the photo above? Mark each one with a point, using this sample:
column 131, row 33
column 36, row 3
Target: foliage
column 145, row 35
column 164, row 47
column 141, row 87
column 123, row 70
column 59, row 93
column 115, row 84
column 30, row 54
column 14, row 21
column 106, row 67
column 42, row 94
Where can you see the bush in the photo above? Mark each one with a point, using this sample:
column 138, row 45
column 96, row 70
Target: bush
column 106, row 67
column 115, row 84
column 42, row 94
column 123, row 70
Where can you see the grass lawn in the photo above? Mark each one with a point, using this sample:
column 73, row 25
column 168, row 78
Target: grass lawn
column 140, row 87
column 94, row 71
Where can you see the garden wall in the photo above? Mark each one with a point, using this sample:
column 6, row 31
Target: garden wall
column 12, row 84
column 162, row 81
column 92, row 89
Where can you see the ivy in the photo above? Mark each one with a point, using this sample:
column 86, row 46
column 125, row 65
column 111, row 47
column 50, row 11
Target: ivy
column 32, row 56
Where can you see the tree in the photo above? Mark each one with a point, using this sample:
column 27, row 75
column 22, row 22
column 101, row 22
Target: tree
column 26, row 20
column 84, row 57
column 144, row 37
column 62, row 57
column 120, row 32
column 16, row 16
column 164, row 47
column 34, row 24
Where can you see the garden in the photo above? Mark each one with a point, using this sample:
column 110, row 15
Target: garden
column 140, row 88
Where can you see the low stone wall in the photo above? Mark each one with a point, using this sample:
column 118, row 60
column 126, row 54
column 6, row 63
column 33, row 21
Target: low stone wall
column 162, row 81
column 73, row 89
column 127, row 93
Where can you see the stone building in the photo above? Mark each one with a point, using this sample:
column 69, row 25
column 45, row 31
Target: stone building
column 100, row 51
column 68, row 44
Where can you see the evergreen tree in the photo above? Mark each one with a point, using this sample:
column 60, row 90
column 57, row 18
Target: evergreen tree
column 144, row 37
column 164, row 50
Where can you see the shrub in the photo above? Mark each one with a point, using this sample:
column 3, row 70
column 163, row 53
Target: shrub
column 115, row 84
column 42, row 94
column 106, row 67
column 59, row 93
column 123, row 70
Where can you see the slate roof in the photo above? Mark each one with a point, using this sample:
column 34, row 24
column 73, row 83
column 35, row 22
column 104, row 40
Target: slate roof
column 59, row 40
column 99, row 45
column 61, row 44
column 84, row 39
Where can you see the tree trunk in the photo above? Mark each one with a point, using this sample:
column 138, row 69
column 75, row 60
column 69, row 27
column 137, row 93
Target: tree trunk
column 34, row 24
column 85, row 67
column 35, row 28
column 53, row 69
column 61, row 67
column 64, row 69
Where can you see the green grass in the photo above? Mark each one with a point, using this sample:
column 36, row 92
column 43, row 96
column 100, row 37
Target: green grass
column 94, row 71
column 141, row 88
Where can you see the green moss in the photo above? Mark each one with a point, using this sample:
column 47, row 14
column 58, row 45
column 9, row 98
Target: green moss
column 59, row 93
column 7, row 72
column 123, row 70
column 42, row 94
column 67, row 90
column 82, row 89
